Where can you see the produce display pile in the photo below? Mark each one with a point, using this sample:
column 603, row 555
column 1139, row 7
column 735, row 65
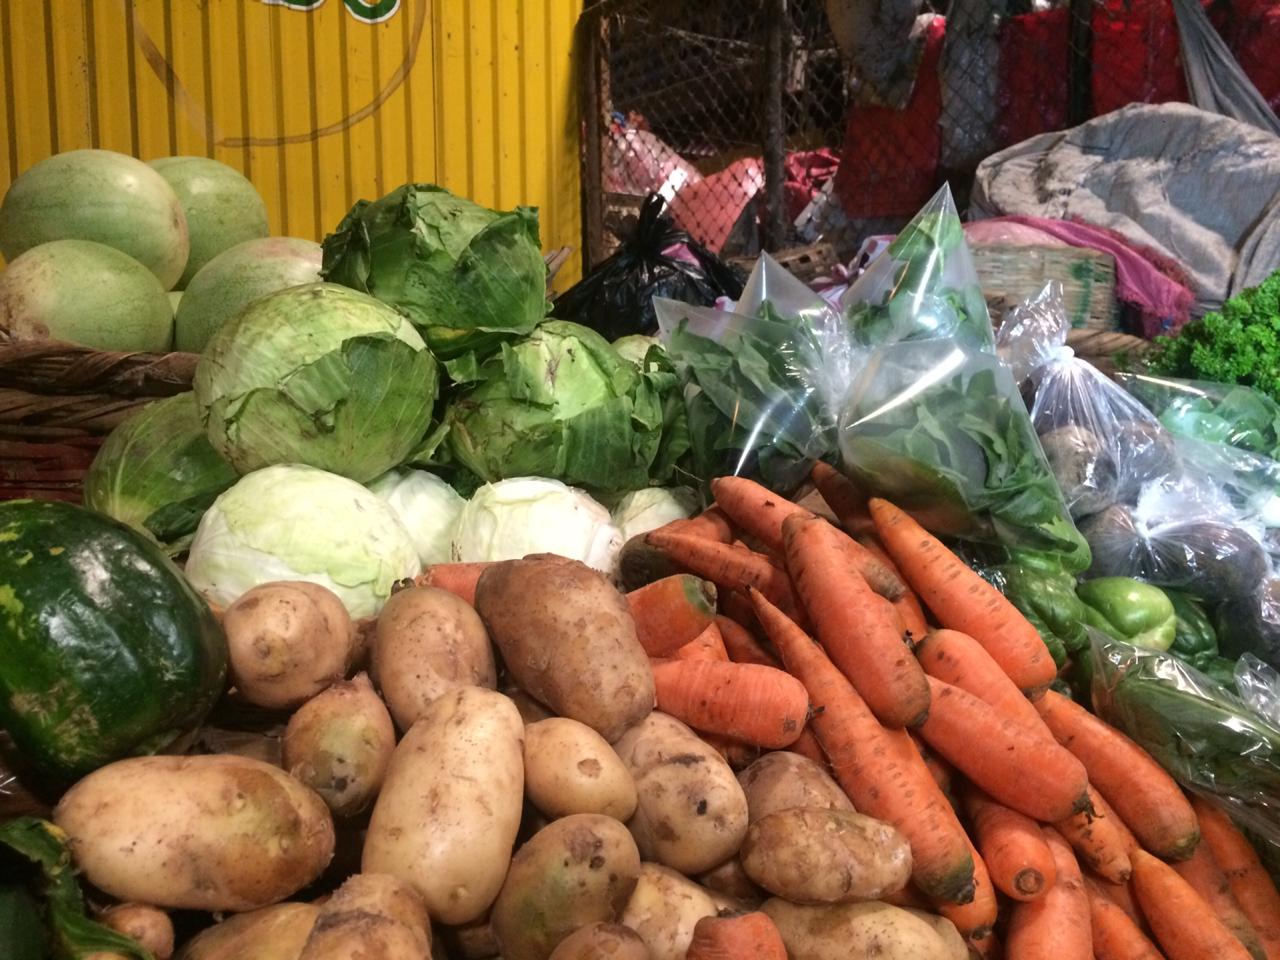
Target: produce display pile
column 427, row 626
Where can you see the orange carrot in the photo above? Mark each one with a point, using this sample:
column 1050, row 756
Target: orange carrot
column 671, row 612
column 755, row 509
column 958, row 659
column 879, row 769
column 908, row 605
column 740, row 644
column 977, row 917
column 1184, row 925
column 846, row 501
column 1115, row 935
column 908, row 897
column 1120, row 894
column 938, row 768
column 1013, row 846
column 749, row 936
column 986, row 948
column 708, row 645
column 1055, row 926
column 1208, row 880
column 735, row 605
column 1010, row 763
column 712, row 524
column 1100, row 838
column 460, row 579
column 757, row 705
column 807, row 745
column 737, row 754
column 1250, row 882
column 880, row 576
column 962, row 600
column 1145, row 797
column 727, row 566
column 854, row 624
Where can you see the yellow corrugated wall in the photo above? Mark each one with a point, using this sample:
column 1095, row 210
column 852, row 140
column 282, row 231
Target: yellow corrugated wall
column 316, row 106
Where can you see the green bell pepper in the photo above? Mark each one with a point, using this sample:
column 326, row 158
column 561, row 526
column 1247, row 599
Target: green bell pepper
column 1130, row 610
column 1195, row 641
column 1048, row 599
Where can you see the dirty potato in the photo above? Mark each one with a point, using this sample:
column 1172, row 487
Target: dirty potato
column 197, row 833
column 579, row 870
column 450, row 806
column 569, row 768
column 428, row 641
column 273, row 933
column 567, row 637
column 150, row 926
column 854, row 931
column 781, row 779
column 664, row 908
column 371, row 915
column 602, row 941
column 691, row 813
column 956, row 945
column 810, row 855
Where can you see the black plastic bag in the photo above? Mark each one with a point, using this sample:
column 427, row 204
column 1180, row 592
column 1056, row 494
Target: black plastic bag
column 616, row 298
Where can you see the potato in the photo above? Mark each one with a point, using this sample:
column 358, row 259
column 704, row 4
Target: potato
column 809, row 855
column 664, row 908
column 287, row 641
column 957, row 947
column 272, row 933
column 579, row 870
column 567, row 637
column 602, row 941
column 213, row 832
column 428, row 642
column 149, row 925
column 472, row 941
column 691, row 813
column 781, row 779
column 730, row 880
column 450, row 805
column 854, row 931
column 371, row 915
column 339, row 744
column 569, row 768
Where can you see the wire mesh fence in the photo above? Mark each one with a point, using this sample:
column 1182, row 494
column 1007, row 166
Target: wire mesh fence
column 771, row 124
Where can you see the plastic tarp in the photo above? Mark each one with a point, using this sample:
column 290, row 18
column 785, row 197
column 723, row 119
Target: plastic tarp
column 1214, row 77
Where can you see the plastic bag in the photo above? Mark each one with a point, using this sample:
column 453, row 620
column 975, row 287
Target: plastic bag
column 1258, row 685
column 616, row 297
column 1221, row 413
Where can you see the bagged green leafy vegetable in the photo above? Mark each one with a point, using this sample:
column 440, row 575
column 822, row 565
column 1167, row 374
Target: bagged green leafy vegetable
column 467, row 277
column 1220, row 413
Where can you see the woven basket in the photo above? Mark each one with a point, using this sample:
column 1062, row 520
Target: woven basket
column 1099, row 347
column 1009, row 275
column 58, row 401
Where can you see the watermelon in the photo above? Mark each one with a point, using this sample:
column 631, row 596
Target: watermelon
column 105, row 650
column 87, row 293
column 98, row 195
column 222, row 207
column 235, row 278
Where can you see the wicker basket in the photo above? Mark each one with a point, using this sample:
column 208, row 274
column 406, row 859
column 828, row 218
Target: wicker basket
column 1099, row 347
column 804, row 263
column 58, row 401
column 1010, row 275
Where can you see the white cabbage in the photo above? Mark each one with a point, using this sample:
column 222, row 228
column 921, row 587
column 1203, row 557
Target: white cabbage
column 643, row 510
column 426, row 505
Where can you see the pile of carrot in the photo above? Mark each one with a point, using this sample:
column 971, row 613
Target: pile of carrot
column 867, row 645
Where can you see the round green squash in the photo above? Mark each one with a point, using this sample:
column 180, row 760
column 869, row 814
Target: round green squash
column 105, row 650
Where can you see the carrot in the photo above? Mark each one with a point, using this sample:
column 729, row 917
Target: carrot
column 807, row 745
column 1120, row 894
column 1010, row 763
column 708, row 645
column 846, row 501
column 735, row 605
column 749, row 936
column 880, row 576
column 1013, row 846
column 460, row 579
column 986, row 948
column 1100, row 838
column 908, row 897
column 1055, row 926
column 1145, row 797
column 1250, row 883
column 908, row 605
column 958, row 659
column 879, row 769
column 740, row 644
column 977, row 917
column 711, row 524
column 962, row 600
column 1184, row 925
column 1208, row 880
column 755, row 509
column 727, row 566
column 671, row 612
column 938, row 768
column 1115, row 935
column 758, row 705
column 737, row 754
column 854, row 625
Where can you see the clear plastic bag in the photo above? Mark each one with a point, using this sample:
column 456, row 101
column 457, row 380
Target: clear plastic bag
column 1258, row 685
column 1217, row 413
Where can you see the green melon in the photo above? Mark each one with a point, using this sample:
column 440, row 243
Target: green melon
column 98, row 195
column 222, row 207
column 87, row 293
column 235, row 278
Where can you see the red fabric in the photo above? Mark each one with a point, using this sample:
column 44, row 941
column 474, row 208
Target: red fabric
column 807, row 173
column 889, row 165
column 1034, row 66
column 1135, row 54
column 1253, row 33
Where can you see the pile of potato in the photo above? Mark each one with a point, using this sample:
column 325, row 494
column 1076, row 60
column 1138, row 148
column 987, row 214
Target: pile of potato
column 561, row 819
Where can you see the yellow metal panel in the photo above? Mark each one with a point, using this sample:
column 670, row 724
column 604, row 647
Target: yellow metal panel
column 318, row 107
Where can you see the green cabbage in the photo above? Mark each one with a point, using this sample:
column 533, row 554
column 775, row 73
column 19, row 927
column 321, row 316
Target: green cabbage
column 426, row 505
column 320, row 375
column 468, row 277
